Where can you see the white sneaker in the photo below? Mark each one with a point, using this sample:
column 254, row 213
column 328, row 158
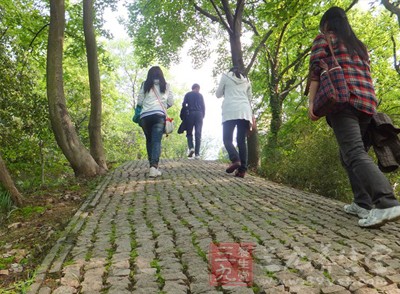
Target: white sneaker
column 154, row 172
column 378, row 217
column 197, row 157
column 355, row 209
column 191, row 152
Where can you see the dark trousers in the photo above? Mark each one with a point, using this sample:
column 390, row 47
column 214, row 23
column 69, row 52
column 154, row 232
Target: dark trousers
column 370, row 186
column 194, row 120
column 242, row 127
column 153, row 128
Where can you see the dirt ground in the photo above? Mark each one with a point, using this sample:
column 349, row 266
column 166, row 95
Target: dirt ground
column 28, row 233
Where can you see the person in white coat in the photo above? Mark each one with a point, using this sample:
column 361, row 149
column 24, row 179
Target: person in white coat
column 155, row 96
column 236, row 113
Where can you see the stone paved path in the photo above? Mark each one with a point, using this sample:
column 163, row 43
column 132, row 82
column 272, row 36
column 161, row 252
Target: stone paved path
column 142, row 235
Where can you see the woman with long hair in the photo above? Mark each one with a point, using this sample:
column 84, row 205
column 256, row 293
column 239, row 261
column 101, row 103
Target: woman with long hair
column 374, row 200
column 236, row 113
column 155, row 96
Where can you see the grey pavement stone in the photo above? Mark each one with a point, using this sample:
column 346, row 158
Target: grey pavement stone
column 65, row 290
column 45, row 290
column 132, row 229
column 72, row 272
column 93, row 280
column 335, row 289
column 302, row 289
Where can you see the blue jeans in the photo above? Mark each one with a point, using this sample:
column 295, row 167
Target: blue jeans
column 370, row 186
column 153, row 128
column 227, row 129
column 194, row 119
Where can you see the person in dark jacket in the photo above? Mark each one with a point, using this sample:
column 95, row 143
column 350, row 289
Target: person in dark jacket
column 194, row 107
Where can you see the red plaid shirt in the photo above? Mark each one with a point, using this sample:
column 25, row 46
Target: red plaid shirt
column 356, row 71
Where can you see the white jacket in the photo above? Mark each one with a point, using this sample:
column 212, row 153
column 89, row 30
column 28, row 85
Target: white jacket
column 237, row 95
column 149, row 101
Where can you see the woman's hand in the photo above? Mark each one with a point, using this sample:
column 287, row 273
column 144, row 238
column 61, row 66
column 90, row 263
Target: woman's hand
column 311, row 114
column 311, row 95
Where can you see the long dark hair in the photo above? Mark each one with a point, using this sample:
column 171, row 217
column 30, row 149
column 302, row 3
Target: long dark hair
column 335, row 20
column 237, row 72
column 155, row 73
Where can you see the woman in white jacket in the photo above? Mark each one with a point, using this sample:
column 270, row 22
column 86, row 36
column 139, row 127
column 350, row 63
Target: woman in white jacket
column 236, row 112
column 155, row 96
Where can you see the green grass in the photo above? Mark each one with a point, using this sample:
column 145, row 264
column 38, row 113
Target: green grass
column 160, row 279
column 327, row 275
column 28, row 211
column 5, row 262
column 20, row 287
column 6, row 203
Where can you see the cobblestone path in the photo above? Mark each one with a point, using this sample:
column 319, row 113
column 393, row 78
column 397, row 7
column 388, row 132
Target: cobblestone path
column 140, row 235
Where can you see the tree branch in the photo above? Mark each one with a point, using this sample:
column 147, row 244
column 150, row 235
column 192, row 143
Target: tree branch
column 351, row 5
column 237, row 20
column 396, row 65
column 289, row 88
column 227, row 10
column 3, row 33
column 206, row 13
column 257, row 50
column 278, row 45
column 392, row 8
column 252, row 26
column 38, row 32
column 301, row 56
column 212, row 17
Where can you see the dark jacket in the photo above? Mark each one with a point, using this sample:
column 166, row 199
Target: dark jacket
column 383, row 136
column 194, row 101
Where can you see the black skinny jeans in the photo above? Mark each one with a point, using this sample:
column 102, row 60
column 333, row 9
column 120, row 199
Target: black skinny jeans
column 242, row 127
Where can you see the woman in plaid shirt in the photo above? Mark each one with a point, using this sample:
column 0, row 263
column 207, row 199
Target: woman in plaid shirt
column 374, row 200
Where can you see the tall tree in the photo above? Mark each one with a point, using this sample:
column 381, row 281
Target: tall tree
column 96, row 143
column 80, row 159
column 8, row 183
column 230, row 16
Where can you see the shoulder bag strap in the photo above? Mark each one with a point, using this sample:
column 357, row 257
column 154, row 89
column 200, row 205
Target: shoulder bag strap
column 159, row 101
column 328, row 39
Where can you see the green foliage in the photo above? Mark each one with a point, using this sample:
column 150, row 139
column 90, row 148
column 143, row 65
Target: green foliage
column 307, row 158
column 160, row 29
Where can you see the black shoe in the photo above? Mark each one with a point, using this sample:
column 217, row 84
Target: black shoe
column 234, row 166
column 240, row 174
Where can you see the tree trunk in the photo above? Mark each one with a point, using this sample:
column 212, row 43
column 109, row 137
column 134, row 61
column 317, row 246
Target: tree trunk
column 96, row 143
column 276, row 119
column 8, row 183
column 232, row 23
column 80, row 159
column 237, row 60
column 236, row 51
